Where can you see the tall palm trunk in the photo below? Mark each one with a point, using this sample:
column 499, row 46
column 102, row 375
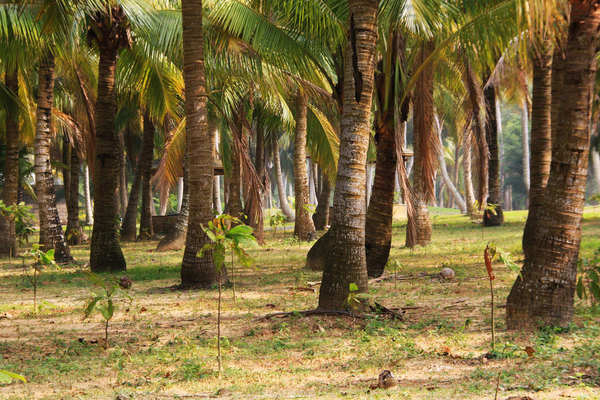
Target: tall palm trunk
column 146, row 228
column 74, row 231
column 129, row 228
column 197, row 270
column 122, row 176
column 378, row 235
column 51, row 233
column 492, row 216
column 468, row 173
column 477, row 108
column 304, row 228
column 424, row 146
column 283, row 203
column 10, row 191
column 525, row 143
column 456, row 196
column 541, row 139
column 89, row 213
column 234, row 202
column 544, row 291
column 346, row 262
column 105, row 250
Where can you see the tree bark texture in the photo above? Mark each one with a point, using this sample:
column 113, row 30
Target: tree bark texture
column 544, row 293
column 541, row 139
column 74, row 233
column 425, row 148
column 51, row 233
column 105, row 252
column 197, row 268
column 283, row 203
column 378, row 235
column 346, row 263
column 145, row 164
column 492, row 215
column 304, row 228
column 10, row 191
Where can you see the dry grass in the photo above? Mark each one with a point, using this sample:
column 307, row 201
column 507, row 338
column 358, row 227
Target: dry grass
column 164, row 346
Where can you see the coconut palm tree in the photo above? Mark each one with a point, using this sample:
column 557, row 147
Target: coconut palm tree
column 544, row 291
column 197, row 268
column 304, row 227
column 347, row 262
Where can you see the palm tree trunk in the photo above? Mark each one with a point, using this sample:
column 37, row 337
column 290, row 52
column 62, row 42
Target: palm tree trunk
column 477, row 103
column 378, row 235
column 347, row 263
column 74, row 231
column 122, row 176
column 456, row 196
column 10, row 191
column 544, row 291
column 283, row 203
column 129, row 228
column 304, row 228
column 197, row 270
column 321, row 215
column 105, row 250
column 467, row 174
column 495, row 216
column 234, row 202
column 51, row 233
column 525, row 144
column 425, row 153
column 146, row 228
column 89, row 213
column 541, row 139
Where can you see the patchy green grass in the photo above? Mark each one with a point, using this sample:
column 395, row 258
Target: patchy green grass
column 163, row 344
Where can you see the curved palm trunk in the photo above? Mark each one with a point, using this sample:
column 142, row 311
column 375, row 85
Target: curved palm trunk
column 425, row 150
column 283, row 203
column 197, row 270
column 146, row 229
column 51, row 233
column 541, row 140
column 346, row 262
column 321, row 215
column 456, row 196
column 74, row 231
column 545, row 292
column 105, row 250
column 495, row 216
column 129, row 228
column 10, row 191
column 477, row 103
column 378, row 236
column 304, row 228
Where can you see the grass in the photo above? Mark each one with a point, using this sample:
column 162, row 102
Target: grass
column 163, row 345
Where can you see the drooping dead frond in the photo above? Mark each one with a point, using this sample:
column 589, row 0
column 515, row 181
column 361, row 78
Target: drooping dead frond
column 170, row 167
column 478, row 111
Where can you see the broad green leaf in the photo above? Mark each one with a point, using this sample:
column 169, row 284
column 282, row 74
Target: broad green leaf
column 353, row 287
